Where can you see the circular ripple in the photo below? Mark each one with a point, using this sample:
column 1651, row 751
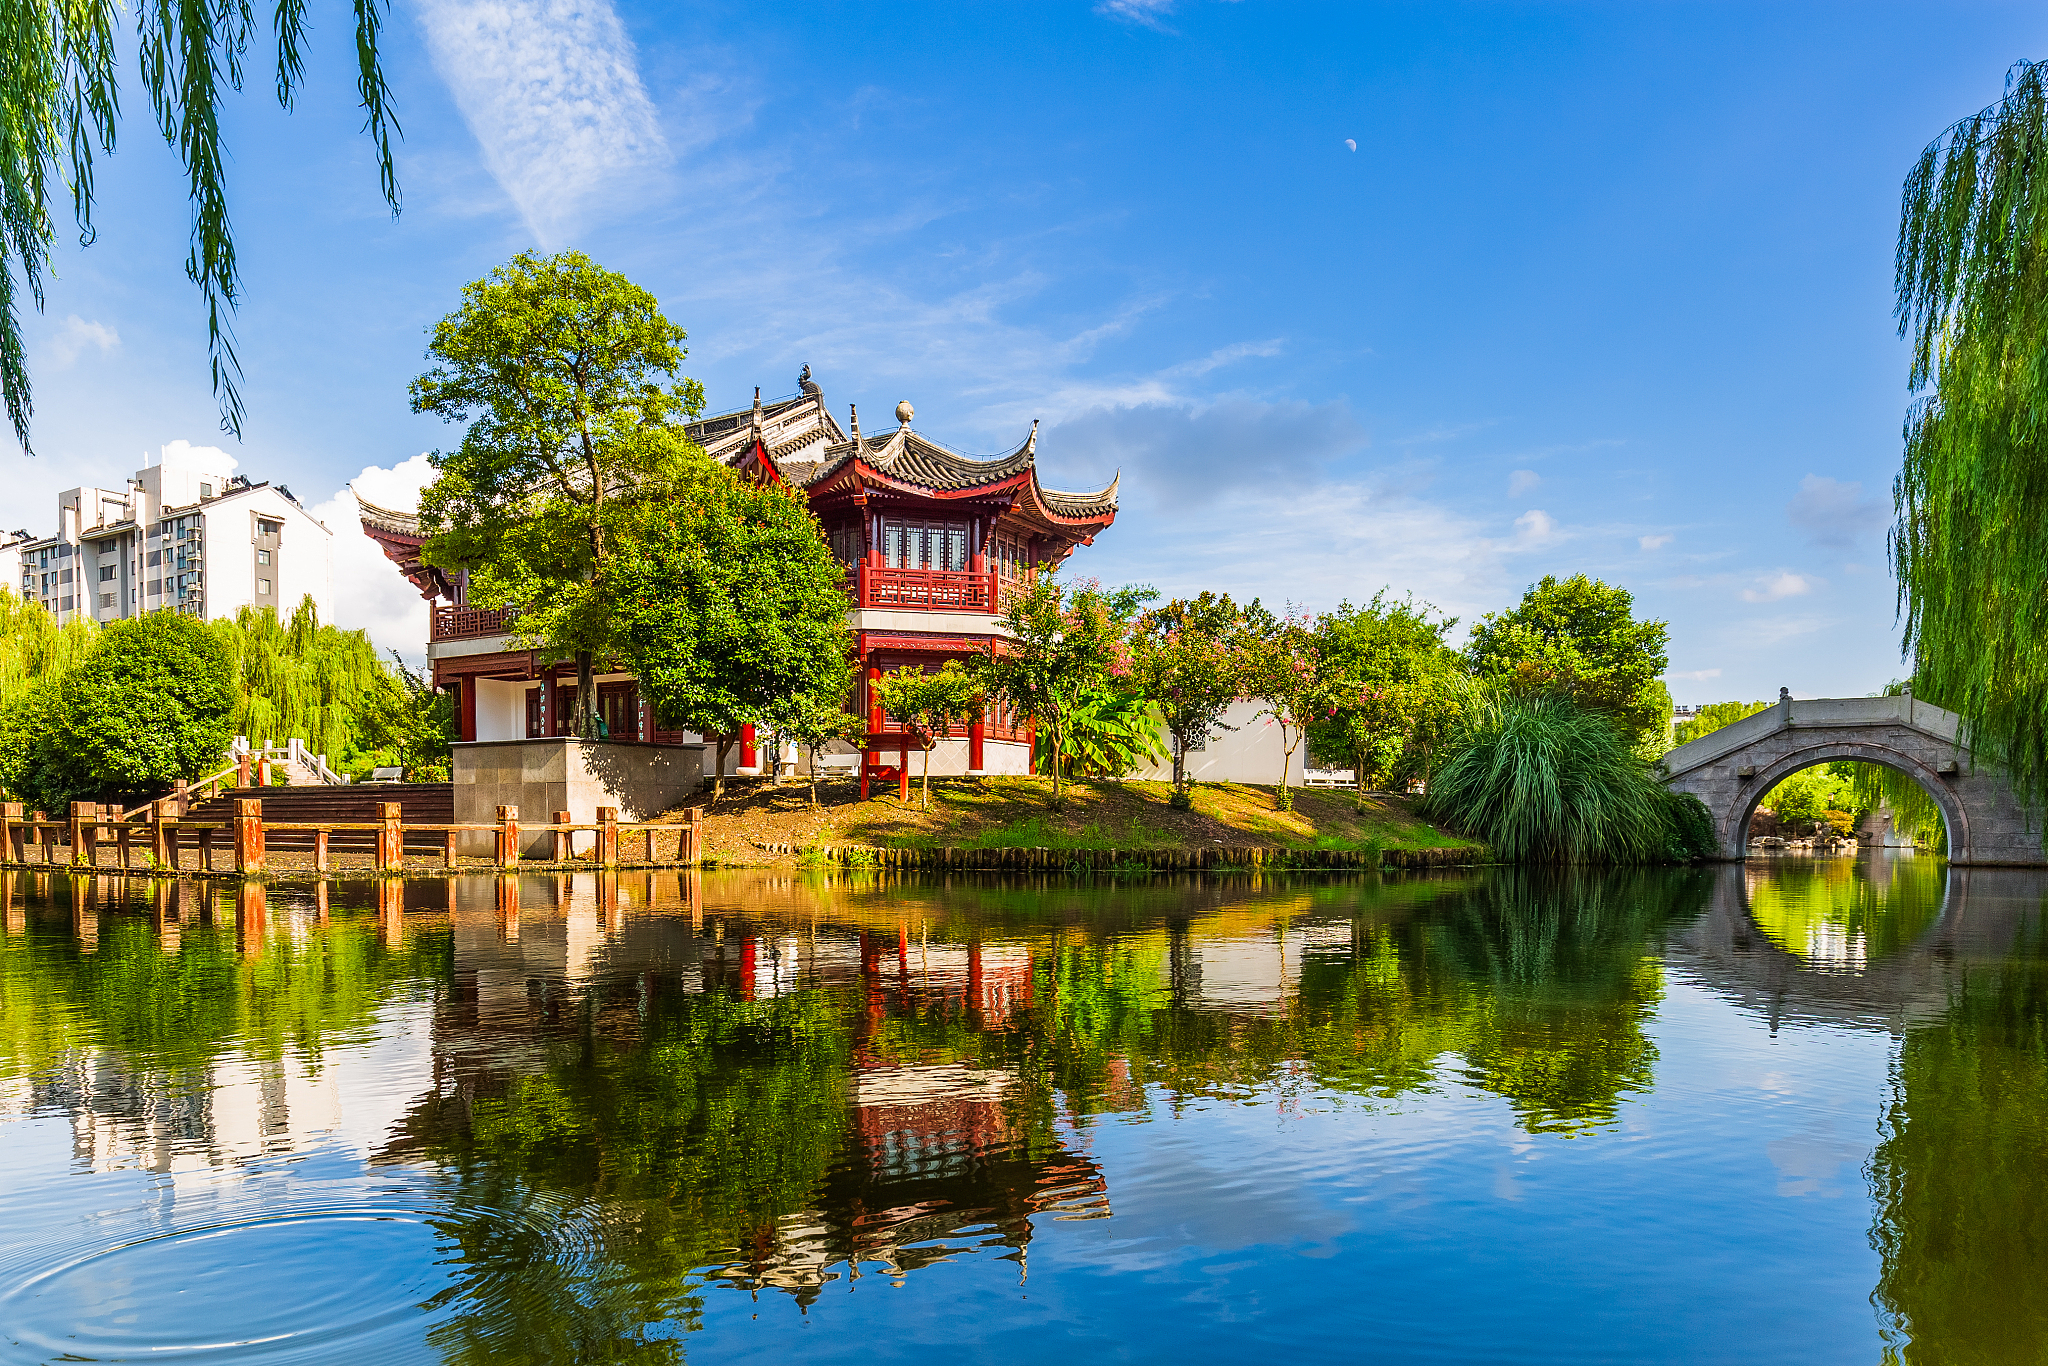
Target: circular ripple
column 277, row 1287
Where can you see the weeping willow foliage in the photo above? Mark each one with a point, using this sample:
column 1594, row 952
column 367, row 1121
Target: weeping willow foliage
column 34, row 649
column 60, row 105
column 1543, row 780
column 1914, row 813
column 319, row 683
column 1971, row 541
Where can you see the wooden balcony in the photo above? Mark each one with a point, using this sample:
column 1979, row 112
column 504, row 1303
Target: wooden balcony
column 470, row 623
column 924, row 590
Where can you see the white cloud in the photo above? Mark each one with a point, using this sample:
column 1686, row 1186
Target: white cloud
column 369, row 592
column 1693, row 675
column 1773, row 630
column 552, row 91
column 74, row 335
column 1150, row 13
column 1834, row 513
column 1783, row 584
column 1521, row 481
column 1535, row 529
column 212, row 459
column 1179, row 455
column 1653, row 542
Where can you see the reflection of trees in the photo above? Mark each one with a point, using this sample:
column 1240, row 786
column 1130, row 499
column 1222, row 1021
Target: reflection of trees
column 1847, row 912
column 1958, row 1174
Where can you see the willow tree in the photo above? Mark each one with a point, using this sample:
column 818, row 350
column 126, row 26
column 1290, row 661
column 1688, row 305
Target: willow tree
column 60, row 106
column 301, row 678
column 1971, row 540
column 566, row 375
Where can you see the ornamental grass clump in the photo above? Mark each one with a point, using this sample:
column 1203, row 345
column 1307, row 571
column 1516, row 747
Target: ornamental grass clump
column 1541, row 779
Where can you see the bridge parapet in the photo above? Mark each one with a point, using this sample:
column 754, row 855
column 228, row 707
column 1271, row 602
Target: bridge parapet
column 1733, row 767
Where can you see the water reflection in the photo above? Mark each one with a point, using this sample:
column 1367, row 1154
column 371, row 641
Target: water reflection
column 566, row 1118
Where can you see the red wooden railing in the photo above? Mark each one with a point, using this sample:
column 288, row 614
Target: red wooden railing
column 468, row 623
column 924, row 590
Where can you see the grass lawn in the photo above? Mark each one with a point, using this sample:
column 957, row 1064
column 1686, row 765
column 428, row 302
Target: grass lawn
column 992, row 813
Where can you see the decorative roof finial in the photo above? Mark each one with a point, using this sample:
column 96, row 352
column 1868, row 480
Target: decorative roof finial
column 1784, row 694
column 904, row 412
column 803, row 382
column 853, row 417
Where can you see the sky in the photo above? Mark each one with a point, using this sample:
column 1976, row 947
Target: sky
column 1437, row 299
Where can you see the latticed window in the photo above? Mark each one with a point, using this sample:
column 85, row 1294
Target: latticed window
column 924, row 545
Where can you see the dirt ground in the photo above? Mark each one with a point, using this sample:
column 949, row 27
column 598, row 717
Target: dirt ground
column 1005, row 812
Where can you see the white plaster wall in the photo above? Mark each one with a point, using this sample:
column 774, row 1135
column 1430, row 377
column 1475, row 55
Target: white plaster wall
column 501, row 709
column 1252, row 753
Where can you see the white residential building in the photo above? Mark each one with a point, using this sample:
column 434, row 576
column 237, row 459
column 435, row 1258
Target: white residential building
column 180, row 536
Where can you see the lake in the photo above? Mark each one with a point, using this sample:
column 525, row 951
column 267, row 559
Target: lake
column 1789, row 1111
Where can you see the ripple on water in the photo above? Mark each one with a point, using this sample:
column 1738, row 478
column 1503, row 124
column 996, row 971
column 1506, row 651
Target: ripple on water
column 300, row 1285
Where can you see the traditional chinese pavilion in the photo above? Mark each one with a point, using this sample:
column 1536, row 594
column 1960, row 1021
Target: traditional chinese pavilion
column 931, row 540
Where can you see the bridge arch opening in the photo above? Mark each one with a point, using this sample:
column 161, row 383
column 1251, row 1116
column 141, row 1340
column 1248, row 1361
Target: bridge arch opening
column 1954, row 819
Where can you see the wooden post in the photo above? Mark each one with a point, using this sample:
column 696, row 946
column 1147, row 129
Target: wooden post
column 248, row 834
column 607, row 836
column 650, row 845
column 11, row 833
column 121, row 845
column 206, row 849
column 448, row 857
column 390, row 838
column 564, row 841
column 167, row 842
column 181, row 799
column 83, row 814
column 320, row 852
column 508, row 837
column 242, row 769
column 691, row 848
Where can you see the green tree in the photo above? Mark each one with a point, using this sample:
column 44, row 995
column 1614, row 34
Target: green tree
column 1283, row 670
column 1064, row 645
column 1578, row 637
column 724, row 600
column 566, row 373
column 1184, row 659
column 1971, row 542
column 929, row 705
column 60, row 106
column 815, row 716
column 150, row 704
column 1713, row 717
column 306, row 679
column 1390, row 687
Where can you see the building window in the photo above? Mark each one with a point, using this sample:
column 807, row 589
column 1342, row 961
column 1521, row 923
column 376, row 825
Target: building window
column 206, row 490
column 846, row 544
column 924, row 545
column 266, row 527
column 262, row 587
column 156, row 588
column 106, row 573
column 106, row 599
column 263, row 557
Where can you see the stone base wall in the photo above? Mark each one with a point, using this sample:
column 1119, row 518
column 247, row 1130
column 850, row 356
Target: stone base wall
column 562, row 773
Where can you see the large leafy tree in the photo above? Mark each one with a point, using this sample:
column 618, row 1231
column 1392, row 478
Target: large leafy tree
column 725, row 601
column 1390, row 687
column 1579, row 637
column 152, row 702
column 566, row 374
column 60, row 106
column 1971, row 542
column 1184, row 657
column 1065, row 644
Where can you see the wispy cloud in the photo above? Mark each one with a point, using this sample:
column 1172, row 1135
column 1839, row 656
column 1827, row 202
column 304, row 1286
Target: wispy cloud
column 1783, row 584
column 74, row 335
column 1521, row 481
column 1150, row 13
column 552, row 91
column 1654, row 542
column 1693, row 675
column 1535, row 530
column 1834, row 513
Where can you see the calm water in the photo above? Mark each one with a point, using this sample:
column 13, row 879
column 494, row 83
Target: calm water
column 1791, row 1112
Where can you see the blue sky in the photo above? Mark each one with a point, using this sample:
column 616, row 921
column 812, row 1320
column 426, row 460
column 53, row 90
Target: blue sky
column 1602, row 288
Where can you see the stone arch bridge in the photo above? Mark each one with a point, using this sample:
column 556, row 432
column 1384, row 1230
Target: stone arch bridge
column 1733, row 767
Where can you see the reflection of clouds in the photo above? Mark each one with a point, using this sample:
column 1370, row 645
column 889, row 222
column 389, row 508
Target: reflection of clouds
column 1807, row 1163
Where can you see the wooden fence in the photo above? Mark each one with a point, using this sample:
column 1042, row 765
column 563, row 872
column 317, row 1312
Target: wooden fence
column 247, row 836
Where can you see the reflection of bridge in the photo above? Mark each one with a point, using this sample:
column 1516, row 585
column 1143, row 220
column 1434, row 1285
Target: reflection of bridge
column 1732, row 768
column 1982, row 913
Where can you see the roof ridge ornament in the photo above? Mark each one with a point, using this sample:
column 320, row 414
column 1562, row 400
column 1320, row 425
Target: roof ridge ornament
column 904, row 412
column 757, row 413
column 804, row 383
column 853, row 420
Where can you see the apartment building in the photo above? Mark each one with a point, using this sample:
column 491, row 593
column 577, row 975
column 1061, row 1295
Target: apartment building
column 179, row 536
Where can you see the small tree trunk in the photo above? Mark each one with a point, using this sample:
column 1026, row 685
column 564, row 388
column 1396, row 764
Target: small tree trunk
column 725, row 744
column 928, row 743
column 1286, row 763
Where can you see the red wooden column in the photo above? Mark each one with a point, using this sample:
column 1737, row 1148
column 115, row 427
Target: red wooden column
column 748, row 758
column 867, row 757
column 465, row 707
column 977, row 740
column 1031, row 745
